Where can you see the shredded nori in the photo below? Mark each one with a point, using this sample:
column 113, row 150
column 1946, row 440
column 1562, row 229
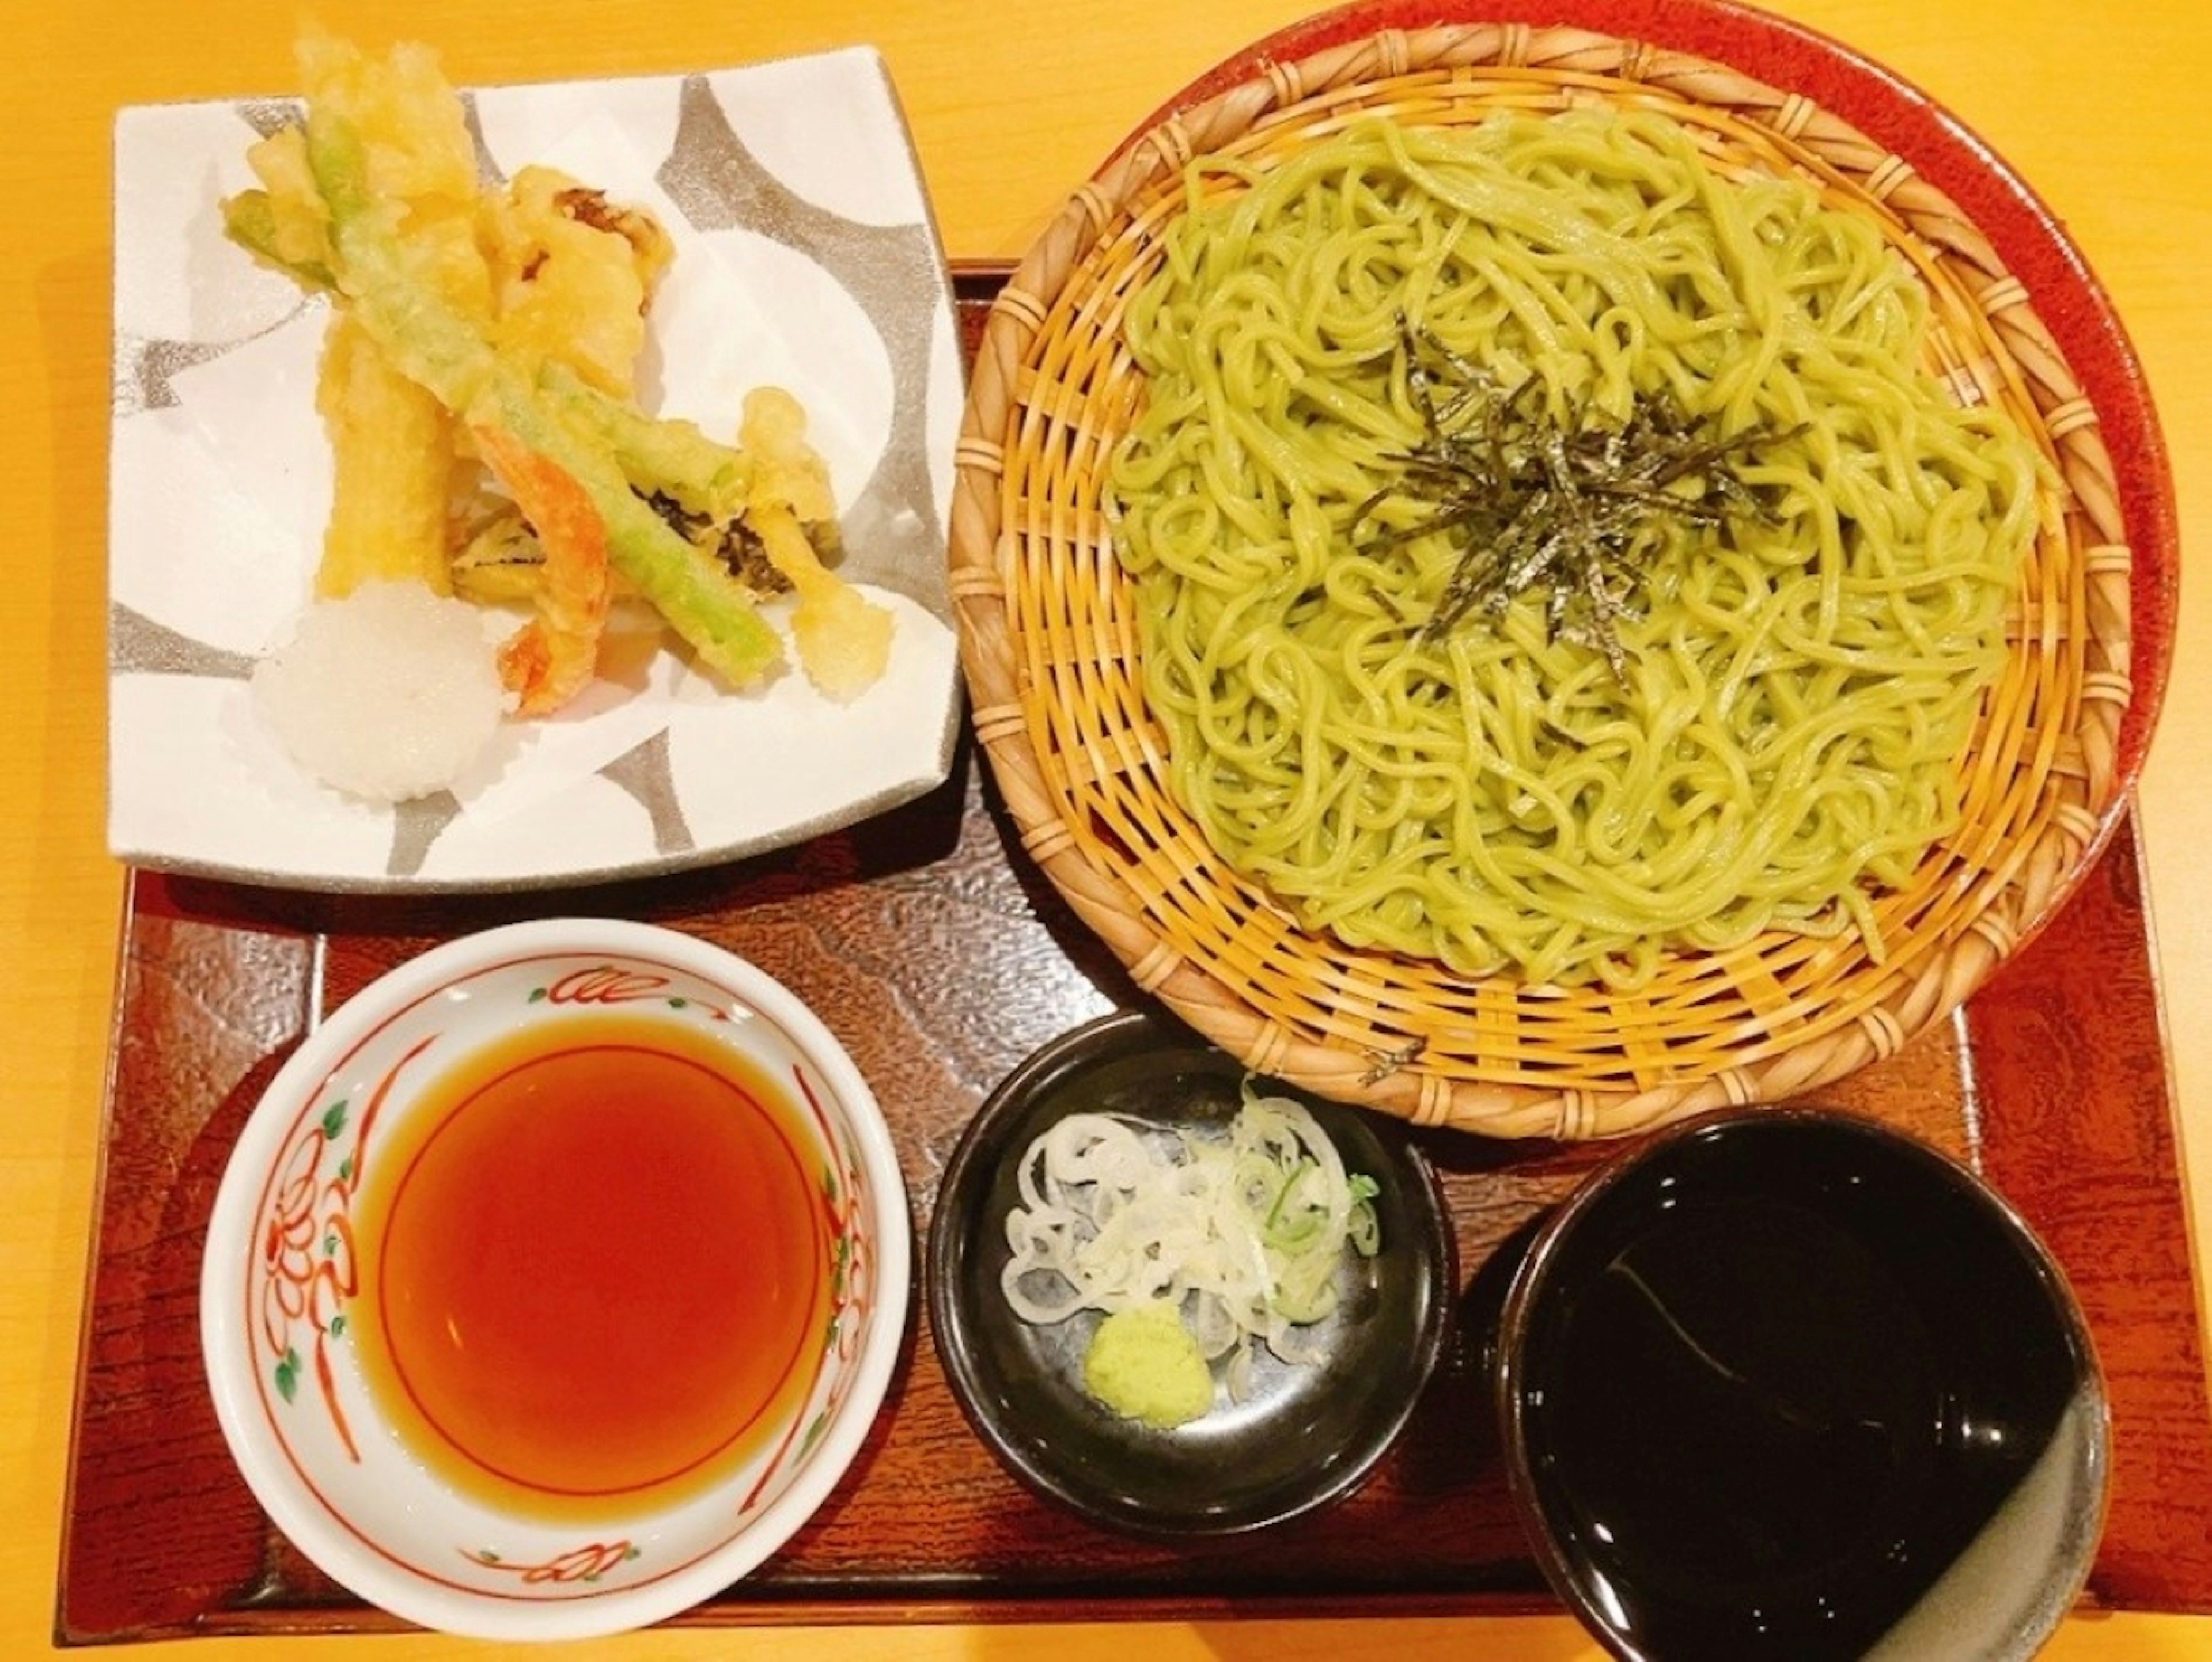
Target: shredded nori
column 1565, row 507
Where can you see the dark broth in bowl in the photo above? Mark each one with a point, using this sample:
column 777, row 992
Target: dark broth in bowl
column 595, row 1266
column 1770, row 1385
column 1754, row 1409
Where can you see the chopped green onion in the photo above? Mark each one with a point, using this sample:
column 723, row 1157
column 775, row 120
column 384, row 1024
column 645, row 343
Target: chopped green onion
column 1245, row 1237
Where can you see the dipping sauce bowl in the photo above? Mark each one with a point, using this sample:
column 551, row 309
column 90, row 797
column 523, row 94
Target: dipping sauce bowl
column 1784, row 1383
column 556, row 1280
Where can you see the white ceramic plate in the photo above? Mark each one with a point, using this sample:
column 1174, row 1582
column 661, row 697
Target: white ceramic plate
column 806, row 259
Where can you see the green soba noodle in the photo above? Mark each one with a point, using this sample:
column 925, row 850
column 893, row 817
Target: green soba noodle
column 1799, row 687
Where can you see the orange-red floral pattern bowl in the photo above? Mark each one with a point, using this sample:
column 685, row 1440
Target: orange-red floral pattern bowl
column 345, row 1418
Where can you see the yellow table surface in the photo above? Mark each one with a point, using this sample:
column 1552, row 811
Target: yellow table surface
column 2102, row 108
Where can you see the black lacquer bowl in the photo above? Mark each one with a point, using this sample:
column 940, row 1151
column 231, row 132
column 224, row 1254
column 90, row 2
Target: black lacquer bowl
column 1788, row 1383
column 1304, row 1435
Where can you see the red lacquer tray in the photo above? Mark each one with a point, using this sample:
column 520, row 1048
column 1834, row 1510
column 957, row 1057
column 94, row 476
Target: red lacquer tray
column 944, row 961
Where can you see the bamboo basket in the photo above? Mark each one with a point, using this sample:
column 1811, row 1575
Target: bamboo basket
column 1048, row 642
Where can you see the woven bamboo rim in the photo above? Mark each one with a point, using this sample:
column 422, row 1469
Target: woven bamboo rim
column 1049, row 647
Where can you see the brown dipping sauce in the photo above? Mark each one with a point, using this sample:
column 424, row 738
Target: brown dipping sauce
column 597, row 1270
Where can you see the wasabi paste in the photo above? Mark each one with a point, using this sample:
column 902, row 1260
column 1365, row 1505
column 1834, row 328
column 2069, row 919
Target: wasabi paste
column 1147, row 1366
